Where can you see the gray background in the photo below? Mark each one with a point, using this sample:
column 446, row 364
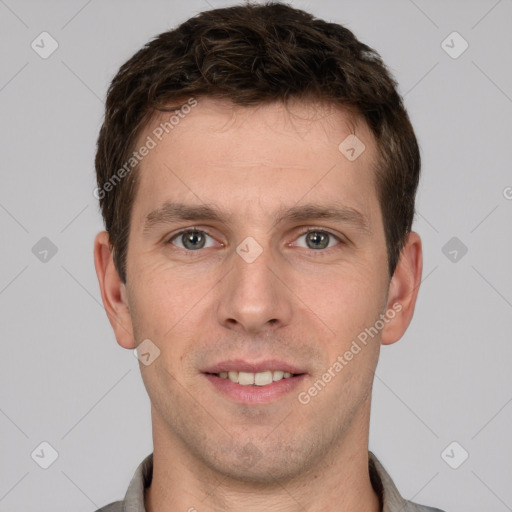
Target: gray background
column 66, row 381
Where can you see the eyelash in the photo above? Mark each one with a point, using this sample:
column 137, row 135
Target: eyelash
column 316, row 252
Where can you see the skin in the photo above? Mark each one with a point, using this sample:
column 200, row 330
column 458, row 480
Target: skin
column 294, row 303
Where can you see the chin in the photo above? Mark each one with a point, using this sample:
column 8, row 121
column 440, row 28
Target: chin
column 271, row 464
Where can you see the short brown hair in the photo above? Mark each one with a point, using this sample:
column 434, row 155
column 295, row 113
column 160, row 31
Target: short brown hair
column 255, row 54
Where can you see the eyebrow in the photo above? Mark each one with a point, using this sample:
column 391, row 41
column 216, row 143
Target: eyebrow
column 171, row 212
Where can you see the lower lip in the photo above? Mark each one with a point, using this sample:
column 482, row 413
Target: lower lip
column 255, row 394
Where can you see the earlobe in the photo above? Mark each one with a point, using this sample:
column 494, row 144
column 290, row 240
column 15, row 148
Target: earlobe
column 403, row 289
column 113, row 292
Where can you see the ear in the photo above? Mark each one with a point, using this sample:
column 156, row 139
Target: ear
column 403, row 289
column 113, row 291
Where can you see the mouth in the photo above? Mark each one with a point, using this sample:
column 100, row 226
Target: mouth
column 263, row 378
column 249, row 383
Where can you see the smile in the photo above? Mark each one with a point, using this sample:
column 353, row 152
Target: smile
column 254, row 383
column 263, row 378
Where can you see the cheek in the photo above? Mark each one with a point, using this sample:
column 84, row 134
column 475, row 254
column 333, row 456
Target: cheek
column 346, row 299
column 170, row 308
column 157, row 303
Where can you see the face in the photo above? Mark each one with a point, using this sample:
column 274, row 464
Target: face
column 257, row 248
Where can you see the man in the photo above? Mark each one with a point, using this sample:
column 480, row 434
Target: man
column 257, row 174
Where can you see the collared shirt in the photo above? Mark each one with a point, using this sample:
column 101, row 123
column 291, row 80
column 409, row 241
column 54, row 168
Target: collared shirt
column 390, row 498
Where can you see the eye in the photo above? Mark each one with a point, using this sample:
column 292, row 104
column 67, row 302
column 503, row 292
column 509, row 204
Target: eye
column 192, row 240
column 317, row 239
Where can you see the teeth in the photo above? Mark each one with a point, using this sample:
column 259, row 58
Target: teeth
column 258, row 379
column 245, row 378
column 277, row 375
column 263, row 378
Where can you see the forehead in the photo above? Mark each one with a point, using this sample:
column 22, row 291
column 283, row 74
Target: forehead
column 238, row 156
column 318, row 125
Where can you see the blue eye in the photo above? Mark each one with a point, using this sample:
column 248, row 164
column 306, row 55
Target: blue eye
column 191, row 240
column 196, row 239
column 317, row 239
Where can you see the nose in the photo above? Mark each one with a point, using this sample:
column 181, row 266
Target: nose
column 254, row 298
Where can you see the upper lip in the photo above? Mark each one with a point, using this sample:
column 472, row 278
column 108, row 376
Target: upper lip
column 239, row 365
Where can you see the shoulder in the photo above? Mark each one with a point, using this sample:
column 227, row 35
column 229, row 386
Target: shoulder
column 390, row 496
column 415, row 507
column 116, row 506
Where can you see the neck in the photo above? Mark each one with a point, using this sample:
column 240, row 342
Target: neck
column 182, row 482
